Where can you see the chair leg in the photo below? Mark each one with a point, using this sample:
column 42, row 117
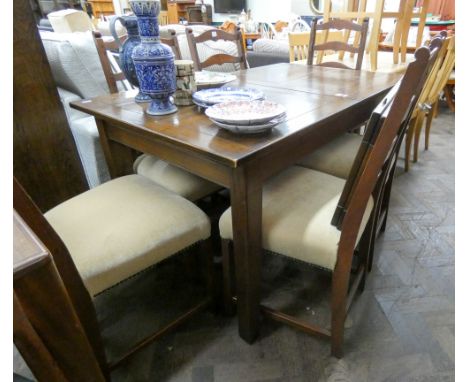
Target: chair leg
column 429, row 117
column 409, row 139
column 436, row 108
column 228, row 276
column 207, row 269
column 339, row 293
column 417, row 134
column 448, row 91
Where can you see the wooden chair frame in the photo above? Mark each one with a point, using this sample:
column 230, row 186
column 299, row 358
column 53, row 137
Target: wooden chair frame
column 217, row 59
column 426, row 104
column 356, row 10
column 79, row 295
column 372, row 165
column 341, row 46
column 429, row 107
column 112, row 74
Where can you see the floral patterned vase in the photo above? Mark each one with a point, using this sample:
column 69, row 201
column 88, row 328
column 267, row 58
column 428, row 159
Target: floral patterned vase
column 154, row 61
column 126, row 49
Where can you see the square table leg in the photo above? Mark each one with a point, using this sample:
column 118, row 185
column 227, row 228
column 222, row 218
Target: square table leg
column 246, row 204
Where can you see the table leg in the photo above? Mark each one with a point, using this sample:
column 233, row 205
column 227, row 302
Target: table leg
column 246, row 204
column 119, row 158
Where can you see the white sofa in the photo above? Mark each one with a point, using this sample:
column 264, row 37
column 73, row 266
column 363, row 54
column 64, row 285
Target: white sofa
column 78, row 74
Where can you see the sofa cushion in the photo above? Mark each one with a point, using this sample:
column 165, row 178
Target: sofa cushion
column 74, row 62
column 277, row 47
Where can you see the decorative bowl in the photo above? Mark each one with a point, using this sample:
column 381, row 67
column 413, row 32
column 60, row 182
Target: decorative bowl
column 245, row 112
column 226, row 94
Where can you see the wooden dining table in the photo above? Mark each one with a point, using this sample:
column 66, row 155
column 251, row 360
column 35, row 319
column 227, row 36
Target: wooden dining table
column 321, row 104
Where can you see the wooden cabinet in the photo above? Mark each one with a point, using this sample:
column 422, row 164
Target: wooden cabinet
column 102, row 7
column 177, row 9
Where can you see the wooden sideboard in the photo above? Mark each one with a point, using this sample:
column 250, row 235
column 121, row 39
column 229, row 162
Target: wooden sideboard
column 177, row 9
column 102, row 7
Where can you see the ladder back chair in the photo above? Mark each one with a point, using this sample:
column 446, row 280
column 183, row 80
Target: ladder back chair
column 342, row 46
column 336, row 158
column 357, row 10
column 428, row 109
column 171, row 177
column 220, row 58
column 324, row 228
column 299, row 43
column 106, row 235
column 108, row 51
column 429, row 95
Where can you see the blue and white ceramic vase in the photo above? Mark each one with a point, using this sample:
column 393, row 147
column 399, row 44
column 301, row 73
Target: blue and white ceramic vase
column 154, row 61
column 126, row 49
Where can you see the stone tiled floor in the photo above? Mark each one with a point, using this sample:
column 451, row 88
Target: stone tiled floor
column 401, row 327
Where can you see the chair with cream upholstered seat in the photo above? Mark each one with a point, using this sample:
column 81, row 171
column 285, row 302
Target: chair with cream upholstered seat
column 171, row 177
column 112, row 232
column 336, row 158
column 326, row 221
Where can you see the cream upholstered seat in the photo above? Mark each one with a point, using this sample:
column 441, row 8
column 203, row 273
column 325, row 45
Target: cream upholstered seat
column 335, row 158
column 173, row 178
column 124, row 226
column 298, row 206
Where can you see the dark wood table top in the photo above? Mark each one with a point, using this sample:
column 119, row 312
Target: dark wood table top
column 310, row 95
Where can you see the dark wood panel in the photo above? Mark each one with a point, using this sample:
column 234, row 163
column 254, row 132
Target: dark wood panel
column 45, row 158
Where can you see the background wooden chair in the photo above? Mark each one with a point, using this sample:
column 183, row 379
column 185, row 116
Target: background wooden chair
column 299, row 43
column 440, row 76
column 108, row 51
column 220, row 58
column 171, row 177
column 340, row 45
column 301, row 227
column 357, row 10
column 108, row 234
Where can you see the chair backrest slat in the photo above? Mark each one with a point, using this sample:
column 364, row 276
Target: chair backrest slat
column 382, row 138
column 338, row 46
column 218, row 59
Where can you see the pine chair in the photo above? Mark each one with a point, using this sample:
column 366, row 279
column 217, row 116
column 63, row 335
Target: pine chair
column 220, row 58
column 429, row 96
column 340, row 45
column 329, row 218
column 357, row 10
column 428, row 109
column 106, row 235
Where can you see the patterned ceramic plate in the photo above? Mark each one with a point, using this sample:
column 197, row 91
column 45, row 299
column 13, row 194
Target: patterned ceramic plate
column 226, row 94
column 245, row 112
column 250, row 129
column 206, row 77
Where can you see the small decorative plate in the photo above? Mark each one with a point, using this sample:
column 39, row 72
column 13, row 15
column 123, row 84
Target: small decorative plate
column 249, row 129
column 207, row 78
column 245, row 112
column 226, row 94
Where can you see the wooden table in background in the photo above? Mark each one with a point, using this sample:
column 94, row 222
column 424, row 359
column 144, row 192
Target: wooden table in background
column 321, row 104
